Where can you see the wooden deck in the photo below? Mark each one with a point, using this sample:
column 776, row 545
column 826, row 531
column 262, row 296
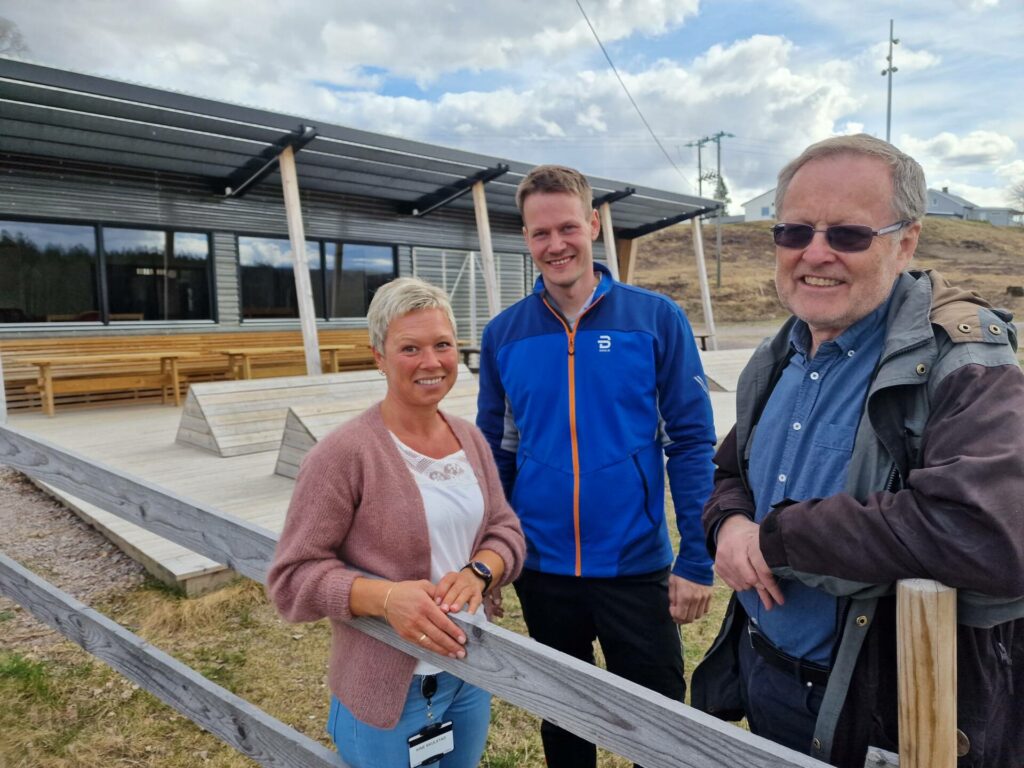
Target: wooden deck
column 140, row 440
column 723, row 368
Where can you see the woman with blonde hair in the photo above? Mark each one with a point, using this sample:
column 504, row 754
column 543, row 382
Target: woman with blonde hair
column 411, row 495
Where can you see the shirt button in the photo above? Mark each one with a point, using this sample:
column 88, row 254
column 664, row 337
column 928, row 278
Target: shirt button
column 815, row 375
column 782, row 478
column 851, row 353
column 796, row 426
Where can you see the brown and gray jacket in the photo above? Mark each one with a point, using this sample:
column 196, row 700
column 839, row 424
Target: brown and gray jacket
column 935, row 490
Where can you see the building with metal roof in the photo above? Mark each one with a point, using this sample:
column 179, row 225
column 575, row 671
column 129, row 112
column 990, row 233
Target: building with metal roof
column 126, row 206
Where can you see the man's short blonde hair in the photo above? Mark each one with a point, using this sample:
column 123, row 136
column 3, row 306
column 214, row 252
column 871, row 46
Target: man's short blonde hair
column 555, row 178
column 400, row 297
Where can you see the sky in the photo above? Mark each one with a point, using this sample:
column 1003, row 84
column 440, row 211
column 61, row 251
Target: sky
column 526, row 80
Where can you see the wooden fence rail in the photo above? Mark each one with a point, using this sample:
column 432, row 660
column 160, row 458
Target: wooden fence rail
column 614, row 713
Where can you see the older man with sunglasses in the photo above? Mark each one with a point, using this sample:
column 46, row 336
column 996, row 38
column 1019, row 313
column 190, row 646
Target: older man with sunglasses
column 879, row 436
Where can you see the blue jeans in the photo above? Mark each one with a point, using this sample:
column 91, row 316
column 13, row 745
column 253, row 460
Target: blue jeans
column 468, row 707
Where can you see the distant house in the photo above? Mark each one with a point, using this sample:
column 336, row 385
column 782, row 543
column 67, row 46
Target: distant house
column 1000, row 217
column 944, row 203
column 760, row 208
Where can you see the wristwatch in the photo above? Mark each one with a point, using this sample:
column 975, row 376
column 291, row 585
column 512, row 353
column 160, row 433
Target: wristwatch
column 481, row 571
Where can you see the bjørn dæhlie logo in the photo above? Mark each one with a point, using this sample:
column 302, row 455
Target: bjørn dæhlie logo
column 604, row 343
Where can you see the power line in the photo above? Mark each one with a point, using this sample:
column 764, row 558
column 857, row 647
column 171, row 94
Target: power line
column 628, row 94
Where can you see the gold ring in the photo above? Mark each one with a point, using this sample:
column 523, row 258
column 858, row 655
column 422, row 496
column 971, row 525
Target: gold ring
column 422, row 638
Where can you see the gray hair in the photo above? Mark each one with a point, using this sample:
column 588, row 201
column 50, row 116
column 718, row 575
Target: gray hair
column 909, row 192
column 400, row 297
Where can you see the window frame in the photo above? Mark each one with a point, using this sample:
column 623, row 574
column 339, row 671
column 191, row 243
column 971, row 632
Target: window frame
column 102, row 288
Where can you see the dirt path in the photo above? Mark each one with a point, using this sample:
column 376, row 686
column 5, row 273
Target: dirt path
column 48, row 539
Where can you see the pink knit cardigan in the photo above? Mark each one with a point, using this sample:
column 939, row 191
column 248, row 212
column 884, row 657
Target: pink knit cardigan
column 356, row 504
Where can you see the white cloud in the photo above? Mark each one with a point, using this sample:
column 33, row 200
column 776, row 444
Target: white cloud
column 1012, row 171
column 905, row 58
column 975, row 149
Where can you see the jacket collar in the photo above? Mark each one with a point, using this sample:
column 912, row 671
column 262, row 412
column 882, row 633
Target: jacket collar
column 602, row 287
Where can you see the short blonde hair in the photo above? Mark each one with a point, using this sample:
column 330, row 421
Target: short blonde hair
column 400, row 297
column 909, row 192
column 555, row 178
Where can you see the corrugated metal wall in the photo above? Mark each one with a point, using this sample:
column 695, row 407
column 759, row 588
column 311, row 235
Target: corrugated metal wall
column 62, row 191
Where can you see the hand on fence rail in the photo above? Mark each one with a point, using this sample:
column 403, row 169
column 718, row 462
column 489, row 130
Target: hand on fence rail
column 410, row 609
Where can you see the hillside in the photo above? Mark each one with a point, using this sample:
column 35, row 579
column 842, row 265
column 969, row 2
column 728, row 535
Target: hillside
column 974, row 255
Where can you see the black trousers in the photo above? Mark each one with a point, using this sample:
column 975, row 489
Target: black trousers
column 628, row 615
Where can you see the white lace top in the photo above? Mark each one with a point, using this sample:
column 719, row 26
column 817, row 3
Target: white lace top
column 455, row 509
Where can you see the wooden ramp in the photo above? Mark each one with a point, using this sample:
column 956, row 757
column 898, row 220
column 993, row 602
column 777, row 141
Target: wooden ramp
column 306, row 425
column 723, row 367
column 140, row 440
column 234, row 418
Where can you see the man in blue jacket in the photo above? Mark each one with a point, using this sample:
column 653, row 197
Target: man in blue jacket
column 586, row 386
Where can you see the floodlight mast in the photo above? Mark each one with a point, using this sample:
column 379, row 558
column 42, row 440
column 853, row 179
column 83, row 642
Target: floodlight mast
column 889, row 70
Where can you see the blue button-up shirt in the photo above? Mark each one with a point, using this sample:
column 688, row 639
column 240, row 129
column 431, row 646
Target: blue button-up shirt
column 801, row 450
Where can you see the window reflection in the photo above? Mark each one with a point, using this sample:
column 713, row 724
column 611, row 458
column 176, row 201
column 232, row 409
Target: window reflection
column 355, row 276
column 268, row 279
column 47, row 273
column 344, row 277
column 157, row 275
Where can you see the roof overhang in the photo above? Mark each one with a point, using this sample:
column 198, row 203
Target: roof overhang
column 64, row 115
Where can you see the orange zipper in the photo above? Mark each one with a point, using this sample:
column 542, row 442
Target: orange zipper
column 573, row 439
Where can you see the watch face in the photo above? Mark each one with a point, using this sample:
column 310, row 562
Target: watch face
column 480, row 568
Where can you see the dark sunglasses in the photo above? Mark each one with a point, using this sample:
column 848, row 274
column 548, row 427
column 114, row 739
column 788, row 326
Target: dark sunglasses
column 848, row 238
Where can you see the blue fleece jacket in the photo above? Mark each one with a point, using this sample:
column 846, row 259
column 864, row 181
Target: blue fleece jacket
column 580, row 421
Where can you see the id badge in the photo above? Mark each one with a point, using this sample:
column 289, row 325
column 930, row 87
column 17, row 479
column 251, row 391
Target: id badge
column 431, row 744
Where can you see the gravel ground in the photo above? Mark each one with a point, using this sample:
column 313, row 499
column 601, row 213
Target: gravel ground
column 50, row 540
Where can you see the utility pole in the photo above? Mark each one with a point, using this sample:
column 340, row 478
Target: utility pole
column 717, row 138
column 889, row 70
column 701, row 176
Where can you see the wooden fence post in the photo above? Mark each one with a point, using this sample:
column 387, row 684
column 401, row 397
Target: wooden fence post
column 926, row 641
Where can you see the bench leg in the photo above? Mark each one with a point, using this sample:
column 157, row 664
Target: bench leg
column 174, row 382
column 46, row 389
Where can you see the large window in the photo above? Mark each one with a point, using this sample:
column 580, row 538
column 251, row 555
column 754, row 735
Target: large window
column 354, row 275
column 344, row 277
column 155, row 275
column 52, row 273
column 47, row 273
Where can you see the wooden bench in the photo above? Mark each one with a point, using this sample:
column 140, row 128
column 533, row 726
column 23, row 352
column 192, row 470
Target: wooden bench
column 306, row 425
column 204, row 363
column 60, row 374
column 241, row 359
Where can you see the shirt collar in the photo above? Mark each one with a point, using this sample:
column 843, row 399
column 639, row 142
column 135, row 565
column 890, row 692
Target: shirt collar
column 852, row 338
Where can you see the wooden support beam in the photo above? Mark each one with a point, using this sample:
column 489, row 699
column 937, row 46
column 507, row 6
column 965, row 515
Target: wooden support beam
column 702, row 277
column 483, row 228
column 303, row 284
column 926, row 655
column 612, row 259
column 627, row 250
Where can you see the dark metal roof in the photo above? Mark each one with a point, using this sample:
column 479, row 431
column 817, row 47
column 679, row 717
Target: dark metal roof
column 66, row 115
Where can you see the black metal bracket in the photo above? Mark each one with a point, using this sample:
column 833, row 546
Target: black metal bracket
column 448, row 193
column 654, row 226
column 611, row 197
column 242, row 180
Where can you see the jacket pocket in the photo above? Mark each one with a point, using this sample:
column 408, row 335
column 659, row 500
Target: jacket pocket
column 646, row 489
